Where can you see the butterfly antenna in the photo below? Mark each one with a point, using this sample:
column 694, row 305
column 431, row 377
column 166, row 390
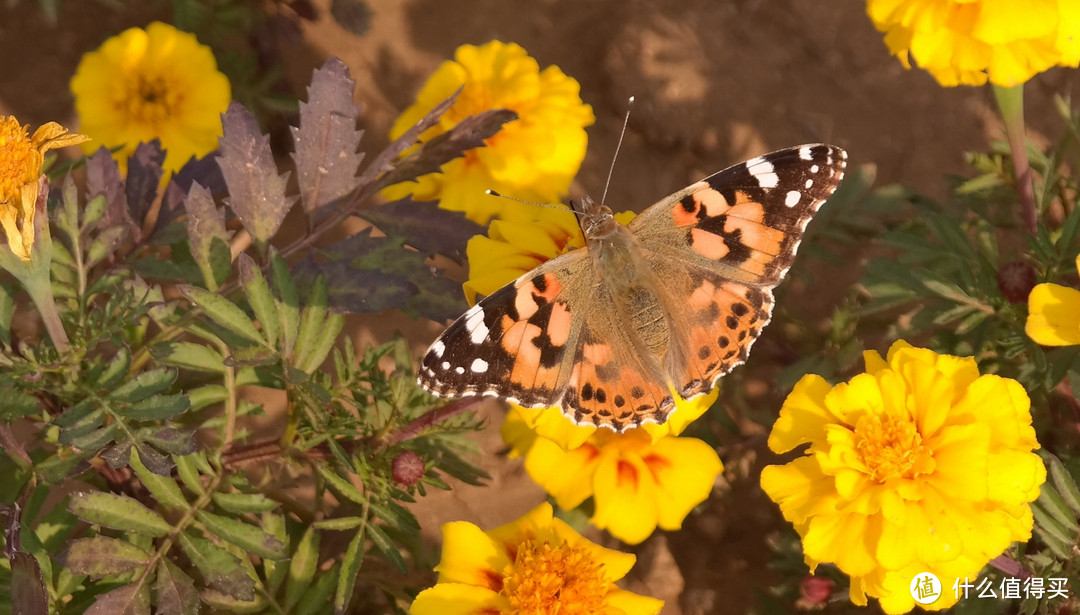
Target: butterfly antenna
column 525, row 201
column 625, row 122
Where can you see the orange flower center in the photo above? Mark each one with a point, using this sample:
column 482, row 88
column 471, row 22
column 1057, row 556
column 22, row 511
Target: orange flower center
column 889, row 446
column 20, row 161
column 548, row 579
column 150, row 100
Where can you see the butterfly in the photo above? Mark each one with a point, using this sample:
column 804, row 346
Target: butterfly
column 668, row 303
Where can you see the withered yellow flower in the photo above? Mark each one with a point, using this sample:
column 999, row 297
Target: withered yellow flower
column 21, row 159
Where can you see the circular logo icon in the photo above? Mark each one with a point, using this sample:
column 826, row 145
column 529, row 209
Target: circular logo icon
column 925, row 588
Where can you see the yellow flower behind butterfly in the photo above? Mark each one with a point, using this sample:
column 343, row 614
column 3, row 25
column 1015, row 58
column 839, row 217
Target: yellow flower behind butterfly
column 534, row 565
column 920, row 464
column 21, row 160
column 534, row 157
column 967, row 42
column 1054, row 314
column 637, row 483
column 157, row 83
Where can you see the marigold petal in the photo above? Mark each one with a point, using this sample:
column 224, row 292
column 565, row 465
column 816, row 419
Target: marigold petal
column 1018, row 476
column 685, row 470
column 961, row 462
column 843, row 539
column 1003, row 21
column 800, row 489
column 622, row 602
column 803, row 416
column 458, row 599
column 624, row 483
column 471, row 557
column 567, row 476
column 616, row 563
column 1054, row 315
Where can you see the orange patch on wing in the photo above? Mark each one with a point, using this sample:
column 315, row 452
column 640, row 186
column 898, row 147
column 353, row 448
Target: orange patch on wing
column 597, row 354
column 524, row 302
column 712, row 201
column 559, row 324
column 552, row 288
column 708, row 245
column 517, row 341
column 703, row 295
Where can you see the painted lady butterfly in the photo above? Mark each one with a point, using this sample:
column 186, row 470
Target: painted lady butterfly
column 671, row 301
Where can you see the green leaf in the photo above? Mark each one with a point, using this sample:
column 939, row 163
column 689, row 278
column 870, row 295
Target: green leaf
column 305, row 561
column 1065, row 485
column 187, row 468
column 341, row 486
column 28, row 592
column 221, row 569
column 350, row 567
column 163, row 488
column 288, row 303
column 242, row 503
column 312, row 320
column 144, row 385
column 220, row 603
column 223, row 312
column 189, row 355
column 318, row 594
column 102, row 556
column 16, row 405
column 175, row 590
column 339, row 524
column 386, row 547
column 117, row 369
column 1053, row 504
column 158, row 408
column 7, row 310
column 131, row 599
column 118, row 512
column 259, row 298
column 247, row 537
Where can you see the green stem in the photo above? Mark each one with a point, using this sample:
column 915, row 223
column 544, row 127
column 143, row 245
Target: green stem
column 40, row 290
column 1011, row 103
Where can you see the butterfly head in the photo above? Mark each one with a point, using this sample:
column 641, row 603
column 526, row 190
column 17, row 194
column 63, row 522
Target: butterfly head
column 596, row 220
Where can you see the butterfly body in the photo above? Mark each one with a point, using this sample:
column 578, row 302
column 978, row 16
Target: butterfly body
column 668, row 303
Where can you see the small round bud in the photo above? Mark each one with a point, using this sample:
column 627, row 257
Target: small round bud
column 408, row 468
column 1015, row 281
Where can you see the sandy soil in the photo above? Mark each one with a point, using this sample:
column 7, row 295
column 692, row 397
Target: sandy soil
column 716, row 82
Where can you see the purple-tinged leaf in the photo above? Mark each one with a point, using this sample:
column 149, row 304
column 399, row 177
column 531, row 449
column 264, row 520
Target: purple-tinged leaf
column 102, row 556
column 28, row 593
column 370, row 274
column 467, row 134
column 204, row 170
column 425, row 227
column 206, row 229
column 384, row 161
column 103, row 179
column 143, row 179
column 131, row 599
column 167, row 228
column 175, row 590
column 221, row 569
column 256, row 190
column 327, row 140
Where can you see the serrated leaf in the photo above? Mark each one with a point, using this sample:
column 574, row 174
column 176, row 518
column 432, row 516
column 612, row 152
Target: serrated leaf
column 171, row 441
column 251, row 356
column 158, row 408
column 154, row 460
column 425, row 226
column 326, row 142
column 339, row 524
column 131, row 599
column 223, row 312
column 259, row 298
column 16, row 405
column 467, row 134
column 28, row 592
column 386, row 546
column 143, row 179
column 163, row 488
column 318, row 594
column 243, row 503
column 187, row 467
column 105, row 244
column 305, row 561
column 175, row 590
column 116, row 370
column 189, row 355
column 205, row 226
column 1053, row 504
column 102, row 556
column 118, row 512
column 103, row 179
column 144, row 385
column 221, row 603
column 221, row 569
column 91, row 441
column 382, row 163
column 256, row 190
column 1065, row 484
column 341, row 486
column 350, row 567
column 118, row 455
column 315, row 323
column 288, row 302
column 247, row 537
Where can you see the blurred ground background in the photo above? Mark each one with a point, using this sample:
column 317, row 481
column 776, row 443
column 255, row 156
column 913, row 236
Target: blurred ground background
column 716, row 82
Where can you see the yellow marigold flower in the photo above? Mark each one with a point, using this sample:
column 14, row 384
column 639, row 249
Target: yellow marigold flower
column 966, row 42
column 157, row 83
column 535, row 565
column 1054, row 314
column 21, row 159
column 918, row 465
column 533, row 158
column 636, row 484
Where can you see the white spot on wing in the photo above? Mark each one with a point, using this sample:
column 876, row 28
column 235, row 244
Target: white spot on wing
column 459, row 370
column 763, row 172
column 478, row 366
column 805, row 153
column 438, row 348
column 474, row 324
column 792, row 198
column 814, row 168
column 445, row 365
column 809, row 183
